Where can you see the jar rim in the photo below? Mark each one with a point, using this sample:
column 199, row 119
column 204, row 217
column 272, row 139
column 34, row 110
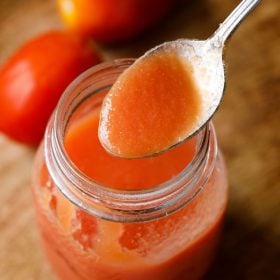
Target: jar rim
column 115, row 204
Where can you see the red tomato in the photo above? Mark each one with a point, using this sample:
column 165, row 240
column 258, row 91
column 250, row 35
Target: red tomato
column 112, row 20
column 34, row 78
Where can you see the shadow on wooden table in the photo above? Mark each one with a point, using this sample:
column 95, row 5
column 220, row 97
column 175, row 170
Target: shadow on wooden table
column 242, row 245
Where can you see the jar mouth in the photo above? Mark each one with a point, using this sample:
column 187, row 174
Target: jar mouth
column 107, row 202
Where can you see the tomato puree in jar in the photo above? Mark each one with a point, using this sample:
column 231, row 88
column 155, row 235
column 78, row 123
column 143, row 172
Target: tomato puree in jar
column 81, row 246
column 84, row 148
column 179, row 246
column 154, row 100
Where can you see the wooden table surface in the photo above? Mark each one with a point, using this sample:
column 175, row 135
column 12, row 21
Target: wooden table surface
column 247, row 125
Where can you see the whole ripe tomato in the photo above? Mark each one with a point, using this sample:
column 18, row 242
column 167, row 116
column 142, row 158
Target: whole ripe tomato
column 34, row 78
column 112, row 20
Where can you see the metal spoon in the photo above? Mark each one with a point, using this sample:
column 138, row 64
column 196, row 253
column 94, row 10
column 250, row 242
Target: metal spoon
column 206, row 61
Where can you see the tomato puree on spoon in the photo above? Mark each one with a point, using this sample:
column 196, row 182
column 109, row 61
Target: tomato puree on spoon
column 151, row 107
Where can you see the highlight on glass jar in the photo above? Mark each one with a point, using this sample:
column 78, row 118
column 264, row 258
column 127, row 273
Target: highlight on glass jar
column 102, row 217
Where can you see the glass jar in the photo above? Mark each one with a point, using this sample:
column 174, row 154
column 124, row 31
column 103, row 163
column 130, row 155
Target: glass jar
column 93, row 230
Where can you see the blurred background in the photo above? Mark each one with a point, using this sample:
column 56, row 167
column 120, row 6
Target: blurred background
column 247, row 123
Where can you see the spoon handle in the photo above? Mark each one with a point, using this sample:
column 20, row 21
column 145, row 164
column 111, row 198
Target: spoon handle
column 233, row 20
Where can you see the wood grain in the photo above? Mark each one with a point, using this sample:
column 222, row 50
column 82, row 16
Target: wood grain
column 247, row 125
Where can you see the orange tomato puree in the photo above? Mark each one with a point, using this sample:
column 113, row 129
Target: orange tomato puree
column 81, row 246
column 84, row 148
column 152, row 106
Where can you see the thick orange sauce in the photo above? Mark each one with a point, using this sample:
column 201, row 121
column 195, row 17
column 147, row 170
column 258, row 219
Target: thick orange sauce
column 153, row 115
column 85, row 150
column 153, row 105
column 81, row 246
